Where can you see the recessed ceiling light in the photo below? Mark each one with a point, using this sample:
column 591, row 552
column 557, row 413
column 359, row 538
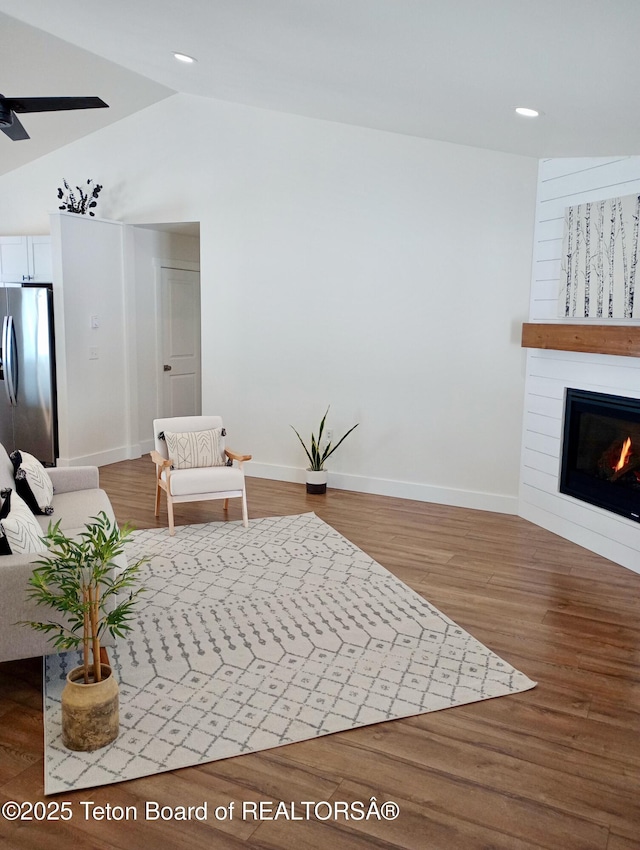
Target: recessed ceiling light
column 182, row 57
column 528, row 113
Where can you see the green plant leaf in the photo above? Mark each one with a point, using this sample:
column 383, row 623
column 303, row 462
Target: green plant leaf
column 77, row 570
column 304, row 447
column 329, row 451
column 316, row 456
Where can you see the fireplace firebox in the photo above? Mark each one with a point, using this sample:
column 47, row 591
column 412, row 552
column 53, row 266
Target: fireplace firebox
column 601, row 451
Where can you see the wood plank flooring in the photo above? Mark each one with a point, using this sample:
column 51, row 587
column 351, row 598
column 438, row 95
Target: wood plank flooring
column 557, row 767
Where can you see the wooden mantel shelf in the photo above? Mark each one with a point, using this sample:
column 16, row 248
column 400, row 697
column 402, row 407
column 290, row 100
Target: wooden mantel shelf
column 621, row 340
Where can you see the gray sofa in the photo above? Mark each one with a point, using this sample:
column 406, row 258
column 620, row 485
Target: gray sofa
column 76, row 498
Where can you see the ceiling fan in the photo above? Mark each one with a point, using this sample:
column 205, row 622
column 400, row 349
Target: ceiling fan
column 11, row 126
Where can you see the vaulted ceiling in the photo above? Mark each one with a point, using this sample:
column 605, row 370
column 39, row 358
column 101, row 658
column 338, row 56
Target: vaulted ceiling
column 452, row 70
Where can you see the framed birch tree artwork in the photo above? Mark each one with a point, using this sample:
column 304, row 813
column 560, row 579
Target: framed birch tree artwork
column 599, row 260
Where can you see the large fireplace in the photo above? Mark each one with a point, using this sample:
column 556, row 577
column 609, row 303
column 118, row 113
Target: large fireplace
column 601, row 451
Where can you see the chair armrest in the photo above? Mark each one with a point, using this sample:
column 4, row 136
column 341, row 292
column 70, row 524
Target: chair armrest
column 235, row 456
column 160, row 461
column 67, row 479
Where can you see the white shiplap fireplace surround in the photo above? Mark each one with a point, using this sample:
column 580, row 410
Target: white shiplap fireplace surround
column 563, row 183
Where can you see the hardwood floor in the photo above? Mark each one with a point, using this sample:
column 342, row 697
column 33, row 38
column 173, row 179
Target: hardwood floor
column 555, row 767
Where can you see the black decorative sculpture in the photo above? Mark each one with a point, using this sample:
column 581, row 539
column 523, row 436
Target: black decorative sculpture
column 84, row 202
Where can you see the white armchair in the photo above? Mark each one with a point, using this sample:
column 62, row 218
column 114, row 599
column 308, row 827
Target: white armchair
column 184, row 481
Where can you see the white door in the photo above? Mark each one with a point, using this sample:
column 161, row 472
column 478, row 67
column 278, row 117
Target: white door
column 181, row 375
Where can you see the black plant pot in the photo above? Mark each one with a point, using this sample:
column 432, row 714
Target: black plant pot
column 316, row 489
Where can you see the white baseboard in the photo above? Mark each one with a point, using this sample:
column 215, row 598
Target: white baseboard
column 582, row 535
column 399, row 489
column 146, row 446
column 102, row 458
column 340, row 481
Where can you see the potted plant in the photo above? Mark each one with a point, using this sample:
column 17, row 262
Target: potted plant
column 318, row 454
column 80, row 580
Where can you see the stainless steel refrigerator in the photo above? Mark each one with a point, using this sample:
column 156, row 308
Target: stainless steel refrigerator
column 28, row 420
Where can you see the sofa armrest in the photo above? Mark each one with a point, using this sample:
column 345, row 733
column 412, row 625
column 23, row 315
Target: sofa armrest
column 67, row 479
column 16, row 605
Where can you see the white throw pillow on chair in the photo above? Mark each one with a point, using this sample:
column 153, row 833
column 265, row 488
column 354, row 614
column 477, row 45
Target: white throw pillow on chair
column 194, row 449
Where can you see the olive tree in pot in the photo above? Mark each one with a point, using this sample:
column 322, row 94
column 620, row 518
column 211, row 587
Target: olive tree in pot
column 318, row 453
column 80, row 580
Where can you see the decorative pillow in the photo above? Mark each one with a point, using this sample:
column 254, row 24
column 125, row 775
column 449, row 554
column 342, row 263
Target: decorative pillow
column 32, row 482
column 196, row 448
column 20, row 530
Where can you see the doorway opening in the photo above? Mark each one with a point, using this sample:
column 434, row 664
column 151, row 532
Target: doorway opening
column 166, row 351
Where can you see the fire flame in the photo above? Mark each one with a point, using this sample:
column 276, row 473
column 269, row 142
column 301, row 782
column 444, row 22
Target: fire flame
column 624, row 455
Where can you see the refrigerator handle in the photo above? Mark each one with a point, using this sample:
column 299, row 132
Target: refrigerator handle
column 9, row 361
column 5, row 327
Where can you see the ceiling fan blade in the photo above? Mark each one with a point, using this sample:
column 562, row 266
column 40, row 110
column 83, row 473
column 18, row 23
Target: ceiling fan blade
column 52, row 104
column 15, row 130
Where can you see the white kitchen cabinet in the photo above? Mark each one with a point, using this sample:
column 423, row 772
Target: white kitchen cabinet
column 25, row 259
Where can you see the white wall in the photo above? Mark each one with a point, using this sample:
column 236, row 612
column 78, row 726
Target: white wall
column 110, row 271
column 151, row 250
column 386, row 275
column 562, row 183
column 93, row 394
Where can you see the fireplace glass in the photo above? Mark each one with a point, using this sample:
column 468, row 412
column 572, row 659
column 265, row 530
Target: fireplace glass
column 601, row 451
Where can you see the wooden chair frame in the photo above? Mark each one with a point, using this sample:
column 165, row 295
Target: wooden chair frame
column 164, row 465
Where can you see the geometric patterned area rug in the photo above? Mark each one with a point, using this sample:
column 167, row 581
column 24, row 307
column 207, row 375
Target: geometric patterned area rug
column 252, row 638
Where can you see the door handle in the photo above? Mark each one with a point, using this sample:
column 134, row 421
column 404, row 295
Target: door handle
column 5, row 357
column 8, row 363
column 166, row 367
column 11, row 376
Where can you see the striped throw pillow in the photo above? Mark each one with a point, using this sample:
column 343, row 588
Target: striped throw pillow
column 32, row 482
column 193, row 449
column 20, row 531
